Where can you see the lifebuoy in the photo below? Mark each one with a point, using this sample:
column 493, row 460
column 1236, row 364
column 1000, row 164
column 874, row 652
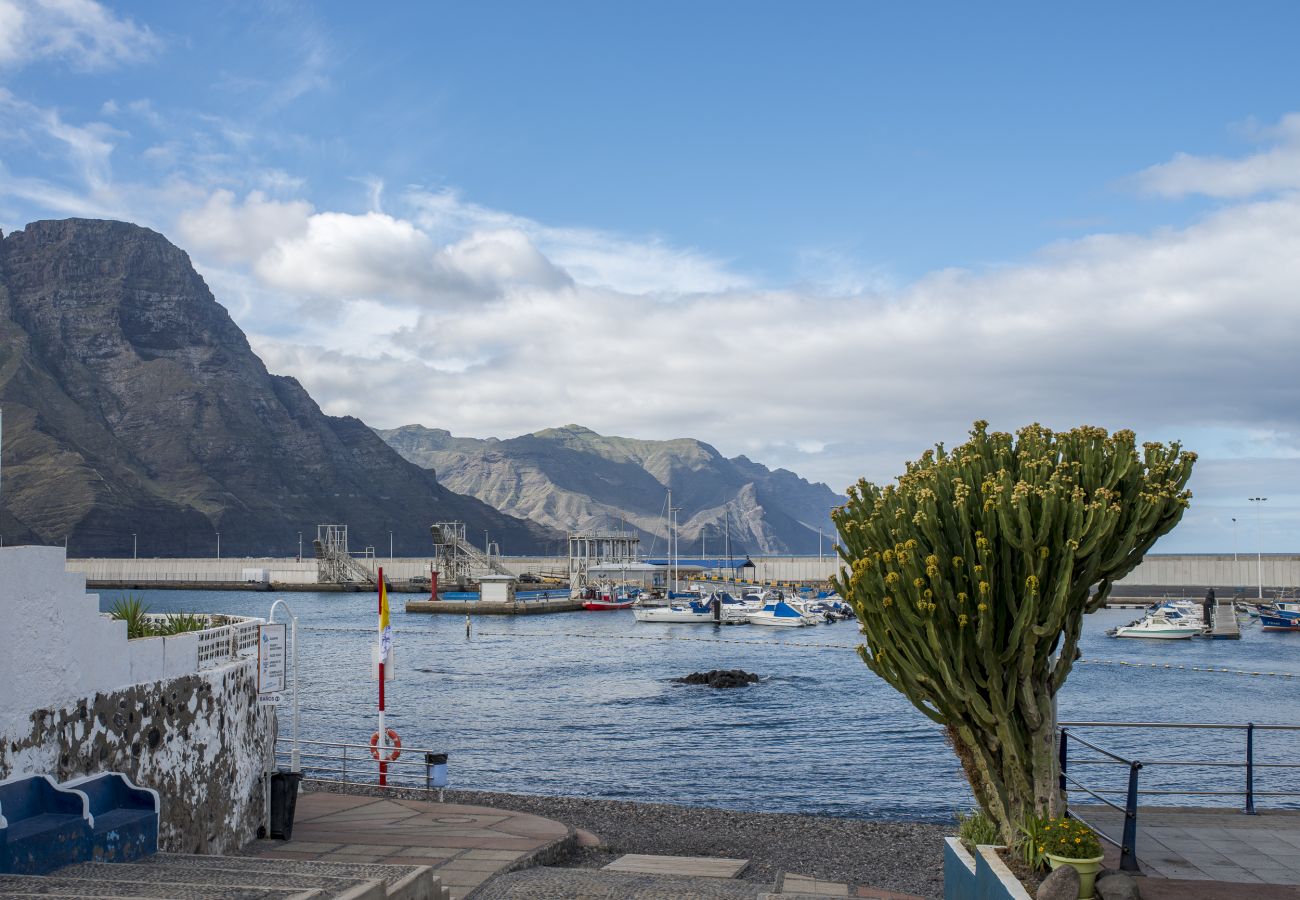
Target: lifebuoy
column 394, row 743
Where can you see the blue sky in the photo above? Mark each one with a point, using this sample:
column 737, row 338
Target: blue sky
column 862, row 225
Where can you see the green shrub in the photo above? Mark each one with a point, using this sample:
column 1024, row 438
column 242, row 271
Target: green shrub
column 974, row 828
column 179, row 623
column 1069, row 838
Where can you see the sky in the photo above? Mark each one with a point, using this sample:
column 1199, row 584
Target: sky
column 823, row 235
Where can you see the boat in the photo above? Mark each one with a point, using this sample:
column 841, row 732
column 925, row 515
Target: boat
column 1270, row 622
column 607, row 597
column 1160, row 627
column 777, row 612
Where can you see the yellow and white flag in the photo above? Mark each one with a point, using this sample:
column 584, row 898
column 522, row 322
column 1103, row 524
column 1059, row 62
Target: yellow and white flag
column 385, row 627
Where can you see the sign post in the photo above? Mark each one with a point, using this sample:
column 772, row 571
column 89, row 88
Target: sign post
column 294, row 765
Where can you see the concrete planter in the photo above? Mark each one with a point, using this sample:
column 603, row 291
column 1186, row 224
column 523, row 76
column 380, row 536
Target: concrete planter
column 981, row 877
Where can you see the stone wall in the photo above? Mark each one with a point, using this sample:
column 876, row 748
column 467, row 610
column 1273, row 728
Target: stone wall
column 76, row 697
column 199, row 740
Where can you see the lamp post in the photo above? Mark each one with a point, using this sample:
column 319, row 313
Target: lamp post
column 1234, row 538
column 1259, row 540
column 390, row 546
column 300, row 546
column 135, row 546
column 218, row 545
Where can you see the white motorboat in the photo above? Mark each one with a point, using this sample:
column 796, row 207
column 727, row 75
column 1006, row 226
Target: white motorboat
column 1160, row 627
column 779, row 613
column 711, row 609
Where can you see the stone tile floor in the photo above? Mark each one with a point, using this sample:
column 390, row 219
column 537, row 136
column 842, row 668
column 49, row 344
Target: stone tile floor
column 465, row 845
column 1211, row 844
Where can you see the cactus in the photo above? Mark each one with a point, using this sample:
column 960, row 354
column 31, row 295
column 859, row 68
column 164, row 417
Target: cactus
column 971, row 576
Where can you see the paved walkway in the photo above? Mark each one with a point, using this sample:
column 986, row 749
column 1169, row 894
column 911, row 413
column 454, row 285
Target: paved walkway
column 465, row 845
column 1211, row 844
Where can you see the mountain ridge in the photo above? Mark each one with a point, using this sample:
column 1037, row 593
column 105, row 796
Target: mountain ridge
column 571, row 478
column 133, row 403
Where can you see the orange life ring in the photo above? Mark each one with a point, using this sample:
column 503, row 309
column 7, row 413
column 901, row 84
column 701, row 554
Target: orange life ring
column 394, row 742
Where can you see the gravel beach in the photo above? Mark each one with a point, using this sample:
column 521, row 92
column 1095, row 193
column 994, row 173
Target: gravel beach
column 898, row 856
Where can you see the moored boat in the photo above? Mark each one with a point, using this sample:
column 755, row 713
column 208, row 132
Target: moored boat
column 1158, row 626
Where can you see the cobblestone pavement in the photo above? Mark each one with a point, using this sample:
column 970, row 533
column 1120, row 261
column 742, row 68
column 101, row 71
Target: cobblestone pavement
column 588, row 884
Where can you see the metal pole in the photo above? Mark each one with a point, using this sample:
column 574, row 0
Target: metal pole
column 218, row 545
column 1259, row 539
column 135, row 546
column 1250, row 768
column 383, row 735
column 294, row 765
column 1128, row 850
column 1063, row 754
column 300, row 546
column 1234, row 542
column 390, row 546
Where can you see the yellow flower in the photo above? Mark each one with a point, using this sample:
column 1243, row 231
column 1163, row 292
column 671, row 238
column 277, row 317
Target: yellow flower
column 982, row 607
column 1078, row 840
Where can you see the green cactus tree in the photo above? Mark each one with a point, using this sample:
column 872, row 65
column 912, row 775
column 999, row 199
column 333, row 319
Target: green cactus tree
column 971, row 576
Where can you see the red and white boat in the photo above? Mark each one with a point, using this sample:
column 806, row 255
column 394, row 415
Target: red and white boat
column 605, row 597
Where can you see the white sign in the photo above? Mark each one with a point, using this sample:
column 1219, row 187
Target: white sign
column 270, row 661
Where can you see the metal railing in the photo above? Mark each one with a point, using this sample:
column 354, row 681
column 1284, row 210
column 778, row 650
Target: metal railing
column 337, row 762
column 1128, row 841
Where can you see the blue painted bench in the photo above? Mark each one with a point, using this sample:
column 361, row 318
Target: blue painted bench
column 41, row 827
column 123, row 817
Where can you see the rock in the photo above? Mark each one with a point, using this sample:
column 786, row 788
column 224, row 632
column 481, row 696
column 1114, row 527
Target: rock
column 1062, row 884
column 720, row 678
column 1117, row 886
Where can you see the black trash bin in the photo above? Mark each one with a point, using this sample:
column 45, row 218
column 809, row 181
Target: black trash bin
column 284, row 802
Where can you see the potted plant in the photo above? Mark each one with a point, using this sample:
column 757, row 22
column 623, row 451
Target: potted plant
column 1068, row 842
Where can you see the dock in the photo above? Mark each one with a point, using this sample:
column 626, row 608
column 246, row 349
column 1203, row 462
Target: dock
column 1225, row 621
column 494, row 607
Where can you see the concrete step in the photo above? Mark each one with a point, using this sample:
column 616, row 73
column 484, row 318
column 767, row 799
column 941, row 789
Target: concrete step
column 401, row 882
column 57, row 886
column 176, row 872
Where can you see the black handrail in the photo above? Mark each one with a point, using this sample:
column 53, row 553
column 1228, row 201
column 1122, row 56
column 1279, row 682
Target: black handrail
column 1128, row 844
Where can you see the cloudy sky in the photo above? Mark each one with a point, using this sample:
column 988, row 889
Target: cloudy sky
column 823, row 235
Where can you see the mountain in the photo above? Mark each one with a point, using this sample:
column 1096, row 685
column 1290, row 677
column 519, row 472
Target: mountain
column 132, row 403
column 573, row 479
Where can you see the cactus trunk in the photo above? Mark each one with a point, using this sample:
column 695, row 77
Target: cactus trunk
column 971, row 577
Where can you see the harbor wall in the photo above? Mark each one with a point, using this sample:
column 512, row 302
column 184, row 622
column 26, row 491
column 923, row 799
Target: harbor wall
column 76, row 698
column 1280, row 570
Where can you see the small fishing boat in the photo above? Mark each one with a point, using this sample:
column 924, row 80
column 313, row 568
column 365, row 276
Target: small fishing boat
column 1158, row 626
column 607, row 597
column 1270, row 622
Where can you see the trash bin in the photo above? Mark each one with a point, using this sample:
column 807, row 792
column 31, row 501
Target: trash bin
column 284, row 801
column 435, row 774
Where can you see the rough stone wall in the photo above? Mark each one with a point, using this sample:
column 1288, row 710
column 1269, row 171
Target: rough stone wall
column 199, row 740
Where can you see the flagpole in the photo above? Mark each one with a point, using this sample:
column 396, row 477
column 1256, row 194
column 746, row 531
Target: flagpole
column 383, row 737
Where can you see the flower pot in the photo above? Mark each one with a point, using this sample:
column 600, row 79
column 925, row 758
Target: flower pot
column 1087, row 869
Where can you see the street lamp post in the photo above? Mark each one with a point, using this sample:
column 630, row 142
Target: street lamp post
column 300, row 546
column 135, row 546
column 1259, row 541
column 390, row 546
column 1234, row 538
column 218, row 545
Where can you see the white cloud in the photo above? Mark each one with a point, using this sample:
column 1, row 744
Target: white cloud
column 1273, row 169
column 80, row 32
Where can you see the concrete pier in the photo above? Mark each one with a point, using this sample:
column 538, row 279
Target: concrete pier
column 493, row 608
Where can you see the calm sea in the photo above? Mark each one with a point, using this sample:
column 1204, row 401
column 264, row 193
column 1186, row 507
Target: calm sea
column 584, row 704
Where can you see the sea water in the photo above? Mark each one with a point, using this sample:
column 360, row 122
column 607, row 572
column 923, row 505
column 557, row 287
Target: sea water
column 584, row 703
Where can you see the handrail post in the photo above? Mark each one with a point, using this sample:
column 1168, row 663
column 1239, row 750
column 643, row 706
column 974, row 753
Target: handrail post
column 1250, row 768
column 1063, row 754
column 1128, row 849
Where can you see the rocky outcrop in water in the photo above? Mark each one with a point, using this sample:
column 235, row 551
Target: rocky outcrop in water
column 573, row 478
column 133, row 404
column 720, row 678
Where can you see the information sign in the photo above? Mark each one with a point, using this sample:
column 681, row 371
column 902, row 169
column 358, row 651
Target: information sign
column 270, row 662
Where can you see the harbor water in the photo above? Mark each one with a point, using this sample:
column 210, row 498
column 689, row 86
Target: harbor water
column 585, row 704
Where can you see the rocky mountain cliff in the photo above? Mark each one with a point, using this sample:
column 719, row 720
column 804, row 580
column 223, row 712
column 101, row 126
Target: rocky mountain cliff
column 572, row 478
column 133, row 404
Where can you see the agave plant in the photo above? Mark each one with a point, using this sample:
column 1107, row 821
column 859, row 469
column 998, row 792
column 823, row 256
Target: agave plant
column 132, row 609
